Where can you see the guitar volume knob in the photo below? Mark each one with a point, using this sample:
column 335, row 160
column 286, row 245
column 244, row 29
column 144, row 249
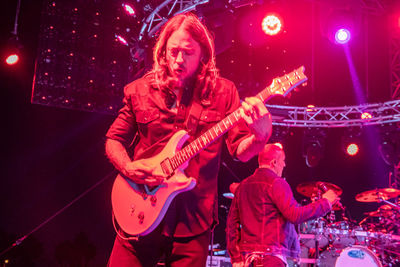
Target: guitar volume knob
column 141, row 217
column 153, row 200
column 132, row 209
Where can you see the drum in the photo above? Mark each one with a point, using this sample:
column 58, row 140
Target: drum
column 351, row 256
column 340, row 234
column 315, row 228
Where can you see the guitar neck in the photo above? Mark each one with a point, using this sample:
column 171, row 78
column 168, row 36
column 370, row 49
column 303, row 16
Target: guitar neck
column 212, row 134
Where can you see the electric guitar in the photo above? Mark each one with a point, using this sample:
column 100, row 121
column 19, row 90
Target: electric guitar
column 139, row 208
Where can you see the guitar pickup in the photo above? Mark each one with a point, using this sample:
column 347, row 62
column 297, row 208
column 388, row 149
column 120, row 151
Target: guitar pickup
column 167, row 168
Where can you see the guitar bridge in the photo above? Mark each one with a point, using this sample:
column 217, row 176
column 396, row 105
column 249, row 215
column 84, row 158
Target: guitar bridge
column 167, row 167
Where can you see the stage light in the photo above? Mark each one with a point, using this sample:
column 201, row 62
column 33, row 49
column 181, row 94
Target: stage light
column 271, row 24
column 342, row 36
column 350, row 141
column 310, row 108
column 366, row 116
column 341, row 23
column 12, row 59
column 12, row 52
column 129, row 9
column 313, row 146
column 389, row 152
column 352, row 149
column 313, row 154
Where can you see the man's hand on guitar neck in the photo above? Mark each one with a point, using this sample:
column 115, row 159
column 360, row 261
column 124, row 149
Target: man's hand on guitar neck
column 143, row 172
column 257, row 118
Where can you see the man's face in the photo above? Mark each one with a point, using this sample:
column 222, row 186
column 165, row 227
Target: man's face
column 183, row 55
column 280, row 163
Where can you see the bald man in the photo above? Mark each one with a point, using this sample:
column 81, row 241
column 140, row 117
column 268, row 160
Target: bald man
column 261, row 221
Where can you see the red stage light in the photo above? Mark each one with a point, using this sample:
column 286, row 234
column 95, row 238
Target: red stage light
column 310, row 108
column 352, row 149
column 271, row 25
column 366, row 116
column 12, row 59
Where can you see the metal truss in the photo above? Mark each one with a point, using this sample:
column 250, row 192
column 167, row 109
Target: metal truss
column 159, row 16
column 395, row 65
column 334, row 117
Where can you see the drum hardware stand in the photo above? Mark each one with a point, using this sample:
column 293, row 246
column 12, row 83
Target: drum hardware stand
column 319, row 196
column 316, row 252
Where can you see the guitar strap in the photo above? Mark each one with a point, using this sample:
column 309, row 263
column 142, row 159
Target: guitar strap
column 188, row 116
column 194, row 116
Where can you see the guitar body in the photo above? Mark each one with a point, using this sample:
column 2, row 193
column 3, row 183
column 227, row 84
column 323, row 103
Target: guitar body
column 138, row 208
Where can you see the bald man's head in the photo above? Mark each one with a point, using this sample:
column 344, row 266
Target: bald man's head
column 272, row 157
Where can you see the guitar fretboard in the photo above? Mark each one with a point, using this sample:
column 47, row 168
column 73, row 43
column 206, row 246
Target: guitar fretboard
column 211, row 135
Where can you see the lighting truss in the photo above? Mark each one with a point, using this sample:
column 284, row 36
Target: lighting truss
column 159, row 16
column 335, row 117
column 395, row 65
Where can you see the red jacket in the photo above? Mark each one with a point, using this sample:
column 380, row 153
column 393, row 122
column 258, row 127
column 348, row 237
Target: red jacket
column 263, row 214
column 145, row 114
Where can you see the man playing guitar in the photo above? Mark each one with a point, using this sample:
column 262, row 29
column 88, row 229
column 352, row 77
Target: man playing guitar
column 183, row 91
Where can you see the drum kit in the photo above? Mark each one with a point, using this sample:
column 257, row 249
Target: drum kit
column 329, row 241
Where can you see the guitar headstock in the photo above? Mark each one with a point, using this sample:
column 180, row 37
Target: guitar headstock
column 285, row 84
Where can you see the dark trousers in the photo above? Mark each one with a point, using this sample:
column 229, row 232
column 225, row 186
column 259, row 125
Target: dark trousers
column 148, row 250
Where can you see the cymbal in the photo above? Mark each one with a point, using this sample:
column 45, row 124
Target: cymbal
column 380, row 213
column 377, row 195
column 310, row 189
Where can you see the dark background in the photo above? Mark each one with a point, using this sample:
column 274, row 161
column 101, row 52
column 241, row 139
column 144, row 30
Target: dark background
column 52, row 154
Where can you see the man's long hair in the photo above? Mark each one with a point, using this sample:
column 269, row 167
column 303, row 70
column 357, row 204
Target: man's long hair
column 207, row 72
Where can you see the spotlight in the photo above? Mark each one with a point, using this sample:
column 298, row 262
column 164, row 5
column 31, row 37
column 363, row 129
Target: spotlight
column 341, row 23
column 12, row 59
column 390, row 152
column 313, row 153
column 366, row 116
column 352, row 149
column 271, row 25
column 389, row 146
column 342, row 36
column 310, row 108
column 313, row 146
column 350, row 141
column 13, row 44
